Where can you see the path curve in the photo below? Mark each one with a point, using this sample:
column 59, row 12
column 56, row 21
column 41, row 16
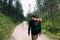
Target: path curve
column 20, row 33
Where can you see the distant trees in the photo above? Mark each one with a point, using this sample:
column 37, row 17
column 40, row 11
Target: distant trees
column 51, row 6
column 47, row 7
column 19, row 10
column 4, row 6
column 38, row 2
column 15, row 11
column 0, row 5
column 28, row 18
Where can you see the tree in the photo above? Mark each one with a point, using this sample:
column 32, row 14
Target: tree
column 40, row 8
column 10, row 5
column 47, row 7
column 38, row 2
column 51, row 6
column 19, row 11
column 5, row 6
column 0, row 5
column 28, row 17
column 11, row 10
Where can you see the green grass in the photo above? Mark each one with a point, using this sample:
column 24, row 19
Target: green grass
column 6, row 27
column 51, row 35
column 52, row 29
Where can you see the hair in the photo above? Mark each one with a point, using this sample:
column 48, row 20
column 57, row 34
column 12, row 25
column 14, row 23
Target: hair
column 33, row 16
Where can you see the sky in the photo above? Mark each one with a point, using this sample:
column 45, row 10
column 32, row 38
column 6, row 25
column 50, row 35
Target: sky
column 25, row 5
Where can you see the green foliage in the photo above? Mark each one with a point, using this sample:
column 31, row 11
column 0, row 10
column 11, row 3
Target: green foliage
column 51, row 31
column 35, row 13
column 53, row 36
column 52, row 28
column 30, row 14
column 57, row 16
column 15, row 12
column 50, row 16
column 6, row 27
column 46, row 25
column 28, row 17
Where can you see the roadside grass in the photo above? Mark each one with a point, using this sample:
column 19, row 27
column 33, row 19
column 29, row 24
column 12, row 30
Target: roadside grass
column 52, row 36
column 51, row 30
column 6, row 27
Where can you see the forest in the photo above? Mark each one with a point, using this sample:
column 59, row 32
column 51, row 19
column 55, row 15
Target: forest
column 49, row 12
column 11, row 14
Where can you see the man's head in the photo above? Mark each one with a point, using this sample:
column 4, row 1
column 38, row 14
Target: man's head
column 33, row 17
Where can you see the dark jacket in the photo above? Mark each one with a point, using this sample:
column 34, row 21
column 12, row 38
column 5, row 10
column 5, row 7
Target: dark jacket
column 31, row 27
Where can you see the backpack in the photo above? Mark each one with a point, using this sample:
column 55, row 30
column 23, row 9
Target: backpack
column 37, row 27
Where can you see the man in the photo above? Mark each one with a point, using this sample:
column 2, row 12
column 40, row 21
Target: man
column 35, row 30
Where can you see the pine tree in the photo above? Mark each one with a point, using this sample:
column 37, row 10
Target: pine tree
column 19, row 11
column 5, row 6
column 10, row 5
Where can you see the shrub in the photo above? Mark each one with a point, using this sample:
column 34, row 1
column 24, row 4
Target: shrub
column 6, row 27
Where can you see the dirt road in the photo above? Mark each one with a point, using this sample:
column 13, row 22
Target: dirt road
column 20, row 33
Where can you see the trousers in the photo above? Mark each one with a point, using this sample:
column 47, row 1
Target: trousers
column 34, row 37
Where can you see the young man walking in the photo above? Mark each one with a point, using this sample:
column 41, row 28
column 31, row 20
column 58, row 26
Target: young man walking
column 35, row 27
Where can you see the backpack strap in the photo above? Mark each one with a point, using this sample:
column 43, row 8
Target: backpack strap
column 38, row 20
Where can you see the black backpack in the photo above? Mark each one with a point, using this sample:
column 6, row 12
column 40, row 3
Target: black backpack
column 37, row 27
